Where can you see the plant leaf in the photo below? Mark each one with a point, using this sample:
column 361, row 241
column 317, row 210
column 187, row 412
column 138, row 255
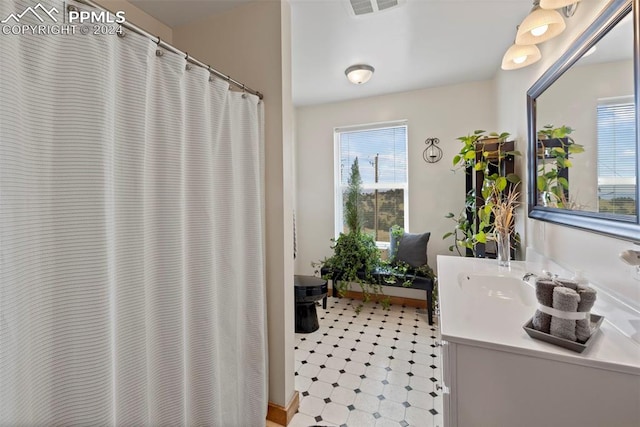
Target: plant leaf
column 542, row 183
column 486, row 192
column 576, row 149
column 563, row 181
column 513, row 178
column 501, row 183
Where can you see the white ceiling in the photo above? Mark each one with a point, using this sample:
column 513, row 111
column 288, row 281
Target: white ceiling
column 421, row 43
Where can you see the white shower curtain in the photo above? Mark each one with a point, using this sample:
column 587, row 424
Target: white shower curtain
column 132, row 286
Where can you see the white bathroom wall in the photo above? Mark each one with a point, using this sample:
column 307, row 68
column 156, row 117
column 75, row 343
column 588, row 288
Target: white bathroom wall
column 136, row 16
column 443, row 112
column 594, row 254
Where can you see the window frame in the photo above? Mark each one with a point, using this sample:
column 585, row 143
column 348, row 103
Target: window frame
column 338, row 188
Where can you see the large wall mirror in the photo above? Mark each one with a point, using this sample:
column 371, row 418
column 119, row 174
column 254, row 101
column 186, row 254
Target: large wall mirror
column 583, row 130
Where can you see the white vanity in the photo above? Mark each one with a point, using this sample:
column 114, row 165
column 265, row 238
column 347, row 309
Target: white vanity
column 494, row 374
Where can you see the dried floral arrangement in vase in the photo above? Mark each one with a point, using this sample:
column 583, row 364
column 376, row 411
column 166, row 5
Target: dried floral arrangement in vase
column 502, row 206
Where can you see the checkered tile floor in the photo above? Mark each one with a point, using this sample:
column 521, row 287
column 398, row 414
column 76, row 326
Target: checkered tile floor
column 378, row 368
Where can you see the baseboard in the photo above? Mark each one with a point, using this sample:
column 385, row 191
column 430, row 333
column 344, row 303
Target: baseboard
column 409, row 302
column 282, row 415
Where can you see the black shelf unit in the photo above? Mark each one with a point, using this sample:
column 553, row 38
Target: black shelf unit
column 475, row 179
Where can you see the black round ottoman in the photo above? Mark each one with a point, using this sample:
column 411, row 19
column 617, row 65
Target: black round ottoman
column 308, row 290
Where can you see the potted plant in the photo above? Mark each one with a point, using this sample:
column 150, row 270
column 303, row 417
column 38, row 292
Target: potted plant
column 554, row 147
column 355, row 254
column 483, row 153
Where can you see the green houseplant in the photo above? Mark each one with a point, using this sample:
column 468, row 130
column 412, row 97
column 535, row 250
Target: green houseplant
column 355, row 254
column 484, row 153
column 554, row 147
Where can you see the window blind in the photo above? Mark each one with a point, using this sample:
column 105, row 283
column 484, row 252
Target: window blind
column 390, row 147
column 382, row 160
column 617, row 158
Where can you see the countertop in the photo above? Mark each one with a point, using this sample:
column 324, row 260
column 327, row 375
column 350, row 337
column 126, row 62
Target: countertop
column 473, row 317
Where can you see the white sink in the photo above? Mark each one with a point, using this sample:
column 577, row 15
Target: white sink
column 500, row 287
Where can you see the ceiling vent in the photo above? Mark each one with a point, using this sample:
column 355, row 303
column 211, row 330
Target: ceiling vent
column 364, row 7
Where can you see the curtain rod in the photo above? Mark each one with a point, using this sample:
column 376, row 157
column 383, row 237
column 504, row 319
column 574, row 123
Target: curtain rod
column 171, row 48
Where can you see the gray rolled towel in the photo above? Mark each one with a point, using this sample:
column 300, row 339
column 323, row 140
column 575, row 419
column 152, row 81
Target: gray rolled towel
column 544, row 294
column 564, row 299
column 587, row 299
column 572, row 284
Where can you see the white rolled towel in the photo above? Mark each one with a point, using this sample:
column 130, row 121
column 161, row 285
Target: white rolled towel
column 564, row 299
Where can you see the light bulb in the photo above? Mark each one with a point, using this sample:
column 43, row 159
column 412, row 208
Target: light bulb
column 359, row 77
column 520, row 59
column 538, row 31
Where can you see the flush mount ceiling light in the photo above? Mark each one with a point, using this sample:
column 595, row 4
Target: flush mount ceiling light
column 568, row 6
column 359, row 74
column 539, row 26
column 518, row 56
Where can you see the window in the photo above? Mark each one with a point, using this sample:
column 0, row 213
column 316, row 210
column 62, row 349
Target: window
column 382, row 157
column 617, row 156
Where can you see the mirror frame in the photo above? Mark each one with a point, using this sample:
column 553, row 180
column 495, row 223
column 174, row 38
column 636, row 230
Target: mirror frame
column 608, row 224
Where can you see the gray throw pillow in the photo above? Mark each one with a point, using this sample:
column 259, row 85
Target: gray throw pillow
column 413, row 249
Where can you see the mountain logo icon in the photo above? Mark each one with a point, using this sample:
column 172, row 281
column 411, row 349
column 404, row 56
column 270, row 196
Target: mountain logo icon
column 16, row 17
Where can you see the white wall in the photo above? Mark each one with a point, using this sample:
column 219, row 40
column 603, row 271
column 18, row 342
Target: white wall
column 595, row 255
column 252, row 44
column 444, row 112
column 136, row 16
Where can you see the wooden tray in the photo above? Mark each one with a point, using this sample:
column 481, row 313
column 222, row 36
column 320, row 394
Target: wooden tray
column 571, row 345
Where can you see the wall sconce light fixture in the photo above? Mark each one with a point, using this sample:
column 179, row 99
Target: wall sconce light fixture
column 543, row 23
column 518, row 56
column 540, row 25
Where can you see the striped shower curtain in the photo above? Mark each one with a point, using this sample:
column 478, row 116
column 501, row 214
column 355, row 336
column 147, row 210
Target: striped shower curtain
column 131, row 235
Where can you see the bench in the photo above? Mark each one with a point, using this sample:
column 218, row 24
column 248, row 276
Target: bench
column 389, row 278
